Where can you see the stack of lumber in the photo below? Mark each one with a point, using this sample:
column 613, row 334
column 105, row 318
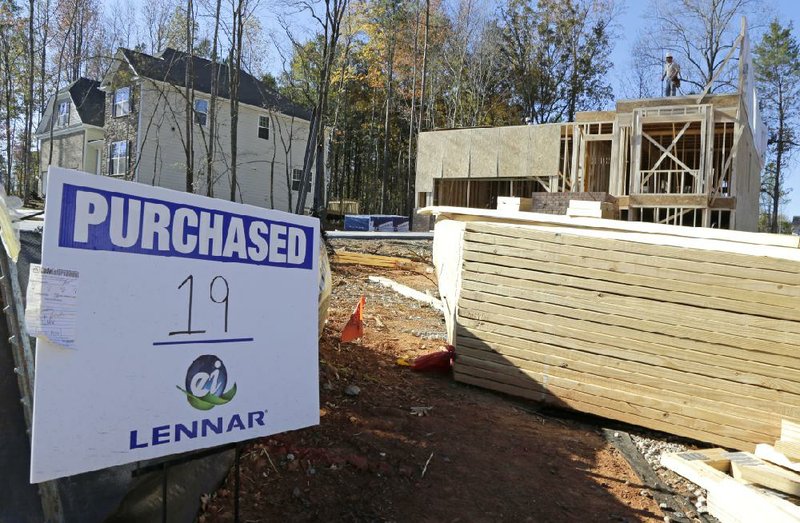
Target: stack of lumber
column 694, row 332
column 591, row 209
column 741, row 487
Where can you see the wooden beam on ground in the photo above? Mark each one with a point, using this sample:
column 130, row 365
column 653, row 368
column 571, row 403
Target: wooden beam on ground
column 342, row 257
column 769, row 453
column 408, row 292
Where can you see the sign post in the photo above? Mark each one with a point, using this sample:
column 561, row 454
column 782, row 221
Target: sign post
column 172, row 322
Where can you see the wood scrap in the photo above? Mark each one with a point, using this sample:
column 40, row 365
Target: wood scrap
column 769, row 453
column 342, row 257
column 408, row 292
column 731, row 500
column 790, row 449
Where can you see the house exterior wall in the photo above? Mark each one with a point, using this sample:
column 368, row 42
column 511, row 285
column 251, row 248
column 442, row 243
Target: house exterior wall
column 67, row 151
column 264, row 166
column 120, row 128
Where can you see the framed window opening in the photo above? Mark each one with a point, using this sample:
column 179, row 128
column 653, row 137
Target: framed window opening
column 297, row 176
column 201, row 112
column 63, row 114
column 263, row 127
column 118, row 158
column 122, row 101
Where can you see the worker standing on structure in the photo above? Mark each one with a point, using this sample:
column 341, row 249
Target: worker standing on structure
column 672, row 73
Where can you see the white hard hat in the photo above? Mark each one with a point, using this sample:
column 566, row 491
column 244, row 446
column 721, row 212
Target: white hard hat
column 668, row 55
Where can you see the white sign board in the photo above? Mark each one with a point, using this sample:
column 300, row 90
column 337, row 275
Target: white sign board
column 194, row 322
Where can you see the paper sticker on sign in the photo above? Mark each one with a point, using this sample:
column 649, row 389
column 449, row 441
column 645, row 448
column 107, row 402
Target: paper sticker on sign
column 52, row 300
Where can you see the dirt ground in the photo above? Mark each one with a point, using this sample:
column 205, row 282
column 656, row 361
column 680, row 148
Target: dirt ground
column 469, row 455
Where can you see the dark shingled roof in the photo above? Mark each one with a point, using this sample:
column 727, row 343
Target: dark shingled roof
column 170, row 67
column 89, row 101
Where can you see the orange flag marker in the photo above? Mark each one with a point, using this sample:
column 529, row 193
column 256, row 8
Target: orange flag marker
column 355, row 327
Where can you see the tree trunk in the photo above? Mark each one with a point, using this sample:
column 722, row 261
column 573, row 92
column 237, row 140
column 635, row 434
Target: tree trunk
column 776, row 187
column 212, row 106
column 235, row 72
column 389, row 85
column 189, row 95
column 423, row 82
column 409, row 205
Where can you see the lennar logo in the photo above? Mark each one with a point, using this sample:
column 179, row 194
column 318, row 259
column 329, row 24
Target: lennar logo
column 205, row 383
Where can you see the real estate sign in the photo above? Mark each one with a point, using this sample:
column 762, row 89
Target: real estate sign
column 170, row 322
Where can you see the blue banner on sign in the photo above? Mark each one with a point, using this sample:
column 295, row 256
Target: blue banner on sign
column 99, row 220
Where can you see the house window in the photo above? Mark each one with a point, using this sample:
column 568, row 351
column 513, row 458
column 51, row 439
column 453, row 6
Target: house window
column 297, row 175
column 200, row 112
column 263, row 127
column 118, row 158
column 122, row 101
column 63, row 114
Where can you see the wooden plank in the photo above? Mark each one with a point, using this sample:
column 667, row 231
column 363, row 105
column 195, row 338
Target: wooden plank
column 705, row 468
column 762, row 279
column 769, row 453
column 581, row 401
column 668, row 200
column 778, row 378
column 648, row 316
column 747, row 467
column 790, row 430
column 791, row 449
column 756, row 328
column 408, row 292
column 622, row 396
column 342, row 257
column 756, row 239
column 713, row 392
column 704, row 294
column 535, row 272
column 718, row 322
column 781, row 402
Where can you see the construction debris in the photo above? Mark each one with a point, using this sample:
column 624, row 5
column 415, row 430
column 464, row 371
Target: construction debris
column 408, row 292
column 342, row 257
column 731, row 478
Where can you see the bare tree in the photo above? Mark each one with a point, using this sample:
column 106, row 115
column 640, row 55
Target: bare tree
column 699, row 33
column 330, row 24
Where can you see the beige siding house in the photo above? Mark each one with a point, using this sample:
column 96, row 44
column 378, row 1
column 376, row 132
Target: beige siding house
column 70, row 133
column 145, row 131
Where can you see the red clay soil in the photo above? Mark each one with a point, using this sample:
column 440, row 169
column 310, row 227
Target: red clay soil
column 473, row 455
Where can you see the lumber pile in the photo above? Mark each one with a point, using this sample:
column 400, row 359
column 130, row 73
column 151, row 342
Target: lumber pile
column 691, row 332
column 741, row 487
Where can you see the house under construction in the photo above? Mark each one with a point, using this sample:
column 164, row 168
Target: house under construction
column 689, row 160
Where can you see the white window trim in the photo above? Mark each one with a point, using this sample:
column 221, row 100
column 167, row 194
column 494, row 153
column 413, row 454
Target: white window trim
column 122, row 107
column 62, row 119
column 296, row 180
column 197, row 112
column 118, row 164
column 258, row 132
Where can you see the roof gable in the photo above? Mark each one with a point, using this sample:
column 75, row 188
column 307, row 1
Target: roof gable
column 170, row 67
column 88, row 100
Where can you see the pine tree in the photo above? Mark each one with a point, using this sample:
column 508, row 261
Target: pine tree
column 777, row 65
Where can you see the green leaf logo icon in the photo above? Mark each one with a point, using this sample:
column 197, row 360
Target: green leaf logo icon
column 205, row 383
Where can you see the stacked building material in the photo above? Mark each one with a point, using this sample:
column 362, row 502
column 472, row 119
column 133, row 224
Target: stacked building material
column 696, row 336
